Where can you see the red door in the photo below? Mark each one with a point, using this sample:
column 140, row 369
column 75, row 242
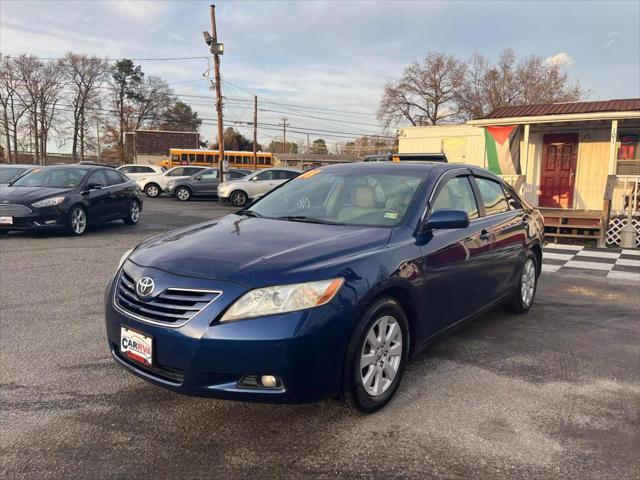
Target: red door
column 558, row 171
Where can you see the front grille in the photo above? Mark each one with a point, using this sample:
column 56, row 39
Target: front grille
column 174, row 306
column 14, row 210
column 163, row 372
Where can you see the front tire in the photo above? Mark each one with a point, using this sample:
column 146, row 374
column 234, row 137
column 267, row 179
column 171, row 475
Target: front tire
column 183, row 194
column 152, row 190
column 376, row 356
column 133, row 215
column 238, row 198
column 525, row 291
column 77, row 221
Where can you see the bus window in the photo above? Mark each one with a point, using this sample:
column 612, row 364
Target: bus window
column 192, row 157
column 184, row 158
column 209, row 158
column 175, row 158
column 200, row 158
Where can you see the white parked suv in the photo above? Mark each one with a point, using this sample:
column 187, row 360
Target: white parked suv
column 135, row 171
column 153, row 185
column 239, row 192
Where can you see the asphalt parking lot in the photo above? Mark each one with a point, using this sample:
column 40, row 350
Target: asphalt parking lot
column 553, row 394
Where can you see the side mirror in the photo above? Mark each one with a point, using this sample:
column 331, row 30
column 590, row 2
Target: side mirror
column 446, row 220
column 199, row 178
column 94, row 186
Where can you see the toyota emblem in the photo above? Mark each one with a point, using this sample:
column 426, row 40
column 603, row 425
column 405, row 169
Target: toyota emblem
column 145, row 286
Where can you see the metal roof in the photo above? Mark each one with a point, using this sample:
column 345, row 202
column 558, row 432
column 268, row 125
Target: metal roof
column 623, row 105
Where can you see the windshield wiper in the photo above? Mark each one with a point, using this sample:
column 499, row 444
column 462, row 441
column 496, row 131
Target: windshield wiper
column 248, row 213
column 303, row 218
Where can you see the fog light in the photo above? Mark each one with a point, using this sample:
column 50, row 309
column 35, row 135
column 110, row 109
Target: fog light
column 264, row 381
column 269, row 381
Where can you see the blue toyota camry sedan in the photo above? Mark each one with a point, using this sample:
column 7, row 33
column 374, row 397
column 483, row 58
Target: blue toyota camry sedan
column 325, row 286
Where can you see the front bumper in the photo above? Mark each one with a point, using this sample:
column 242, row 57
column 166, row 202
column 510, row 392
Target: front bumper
column 205, row 358
column 48, row 218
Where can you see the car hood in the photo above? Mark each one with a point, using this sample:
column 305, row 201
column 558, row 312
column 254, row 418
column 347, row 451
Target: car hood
column 29, row 194
column 257, row 251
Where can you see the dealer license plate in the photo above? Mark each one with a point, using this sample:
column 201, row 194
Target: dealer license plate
column 6, row 220
column 136, row 345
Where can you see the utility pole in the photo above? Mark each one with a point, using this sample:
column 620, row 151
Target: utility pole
column 217, row 49
column 308, row 145
column 284, row 134
column 98, row 134
column 255, row 132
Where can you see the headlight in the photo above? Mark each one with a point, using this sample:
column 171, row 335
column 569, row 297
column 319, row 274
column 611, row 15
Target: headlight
column 49, row 202
column 123, row 258
column 282, row 299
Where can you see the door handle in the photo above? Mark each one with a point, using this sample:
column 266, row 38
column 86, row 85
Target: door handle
column 485, row 235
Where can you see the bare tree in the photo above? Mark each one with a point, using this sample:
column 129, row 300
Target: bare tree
column 427, row 92
column 42, row 85
column 13, row 109
column 153, row 99
column 52, row 84
column 84, row 75
column 533, row 80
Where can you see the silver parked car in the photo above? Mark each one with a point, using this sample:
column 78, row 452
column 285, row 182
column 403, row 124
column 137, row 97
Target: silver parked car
column 202, row 184
column 239, row 192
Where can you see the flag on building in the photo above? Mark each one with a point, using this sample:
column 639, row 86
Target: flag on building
column 502, row 145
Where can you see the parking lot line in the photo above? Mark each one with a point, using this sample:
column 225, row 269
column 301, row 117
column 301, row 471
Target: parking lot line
column 558, row 256
column 624, row 276
column 628, row 263
column 591, row 253
column 550, row 268
column 564, row 247
column 589, row 265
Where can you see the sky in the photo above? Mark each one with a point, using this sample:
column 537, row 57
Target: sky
column 326, row 59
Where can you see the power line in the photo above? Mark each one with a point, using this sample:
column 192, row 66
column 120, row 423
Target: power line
column 109, row 60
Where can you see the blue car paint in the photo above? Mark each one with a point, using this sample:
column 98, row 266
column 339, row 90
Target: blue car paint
column 441, row 277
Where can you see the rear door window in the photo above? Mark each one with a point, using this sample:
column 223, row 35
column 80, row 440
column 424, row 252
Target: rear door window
column 97, row 178
column 492, row 196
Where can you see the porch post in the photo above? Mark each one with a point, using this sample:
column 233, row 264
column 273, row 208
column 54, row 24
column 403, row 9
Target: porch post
column 612, row 147
column 526, row 157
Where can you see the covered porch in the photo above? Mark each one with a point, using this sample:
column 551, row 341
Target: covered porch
column 581, row 170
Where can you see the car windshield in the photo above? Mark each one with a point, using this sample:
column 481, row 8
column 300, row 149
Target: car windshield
column 52, row 177
column 348, row 197
column 9, row 173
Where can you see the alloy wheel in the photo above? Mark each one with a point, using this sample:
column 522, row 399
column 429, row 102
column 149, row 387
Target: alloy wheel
column 78, row 221
column 152, row 191
column 183, row 194
column 528, row 282
column 134, row 212
column 238, row 199
column 381, row 355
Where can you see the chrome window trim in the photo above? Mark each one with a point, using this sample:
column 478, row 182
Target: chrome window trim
column 156, row 322
column 457, row 172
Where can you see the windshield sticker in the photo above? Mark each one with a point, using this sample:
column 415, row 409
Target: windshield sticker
column 391, row 215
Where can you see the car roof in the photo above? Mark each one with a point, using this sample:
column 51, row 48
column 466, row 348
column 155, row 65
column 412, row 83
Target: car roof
column 21, row 165
column 409, row 166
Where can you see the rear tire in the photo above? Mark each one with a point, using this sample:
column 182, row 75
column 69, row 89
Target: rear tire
column 379, row 346
column 152, row 190
column 238, row 198
column 76, row 221
column 183, row 194
column 525, row 291
column 133, row 215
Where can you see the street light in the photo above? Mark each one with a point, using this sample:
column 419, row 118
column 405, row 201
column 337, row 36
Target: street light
column 214, row 48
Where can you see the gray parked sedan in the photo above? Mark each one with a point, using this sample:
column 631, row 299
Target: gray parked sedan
column 202, row 184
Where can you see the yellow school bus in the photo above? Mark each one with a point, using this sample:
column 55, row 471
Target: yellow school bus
column 208, row 158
